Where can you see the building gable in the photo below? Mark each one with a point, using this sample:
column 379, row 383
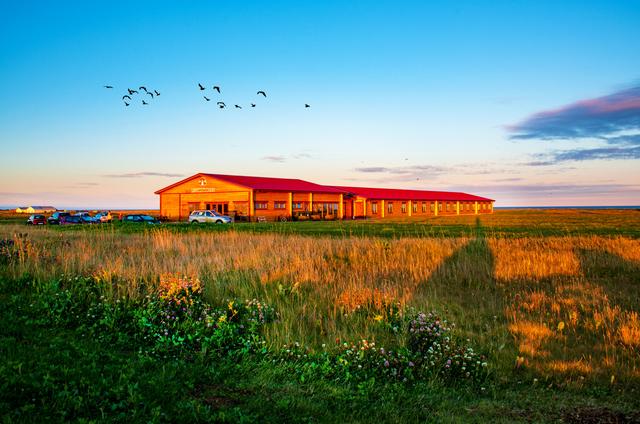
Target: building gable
column 202, row 183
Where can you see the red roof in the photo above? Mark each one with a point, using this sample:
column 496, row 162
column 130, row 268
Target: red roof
column 264, row 183
column 296, row 185
column 399, row 194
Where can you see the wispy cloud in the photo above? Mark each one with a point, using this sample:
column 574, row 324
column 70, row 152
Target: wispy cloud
column 285, row 158
column 143, row 174
column 418, row 172
column 277, row 159
column 577, row 155
column 601, row 117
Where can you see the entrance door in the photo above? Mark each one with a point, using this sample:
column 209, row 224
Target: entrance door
column 220, row 207
column 359, row 209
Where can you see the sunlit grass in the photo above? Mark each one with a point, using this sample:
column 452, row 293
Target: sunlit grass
column 562, row 308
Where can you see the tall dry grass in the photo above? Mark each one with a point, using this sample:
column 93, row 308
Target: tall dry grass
column 560, row 306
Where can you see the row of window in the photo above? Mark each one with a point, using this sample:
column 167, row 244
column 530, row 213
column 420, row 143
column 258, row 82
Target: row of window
column 299, row 206
column 449, row 207
column 333, row 207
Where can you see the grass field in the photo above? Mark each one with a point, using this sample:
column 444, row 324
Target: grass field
column 549, row 299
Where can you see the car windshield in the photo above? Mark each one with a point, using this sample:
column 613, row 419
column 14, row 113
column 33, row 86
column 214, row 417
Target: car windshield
column 147, row 218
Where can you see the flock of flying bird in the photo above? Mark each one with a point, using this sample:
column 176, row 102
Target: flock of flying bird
column 127, row 99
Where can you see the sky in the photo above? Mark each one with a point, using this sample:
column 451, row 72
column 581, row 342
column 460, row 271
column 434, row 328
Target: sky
column 531, row 103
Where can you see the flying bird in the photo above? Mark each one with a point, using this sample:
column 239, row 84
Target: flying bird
column 144, row 103
column 143, row 88
column 206, row 98
column 200, row 86
column 131, row 91
column 108, row 86
column 253, row 105
column 261, row 92
column 151, row 94
column 126, row 97
column 221, row 104
column 215, row 87
column 238, row 107
column 156, row 91
column 306, row 105
column 126, row 104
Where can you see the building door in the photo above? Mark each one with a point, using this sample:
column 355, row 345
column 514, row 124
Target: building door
column 359, row 209
column 220, row 207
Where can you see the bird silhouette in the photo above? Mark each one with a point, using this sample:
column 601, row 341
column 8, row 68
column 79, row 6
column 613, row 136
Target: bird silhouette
column 143, row 88
column 215, row 87
column 126, row 104
column 261, row 92
column 157, row 93
column 306, row 105
column 131, row 91
column 221, row 104
column 108, row 86
column 151, row 94
column 200, row 86
column 253, row 105
column 126, row 97
column 144, row 103
column 238, row 107
column 206, row 98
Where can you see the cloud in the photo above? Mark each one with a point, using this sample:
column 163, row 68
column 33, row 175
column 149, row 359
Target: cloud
column 303, row 156
column 577, row 155
column 143, row 174
column 601, row 117
column 278, row 159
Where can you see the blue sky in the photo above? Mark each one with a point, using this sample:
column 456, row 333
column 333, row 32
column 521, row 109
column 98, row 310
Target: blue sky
column 498, row 98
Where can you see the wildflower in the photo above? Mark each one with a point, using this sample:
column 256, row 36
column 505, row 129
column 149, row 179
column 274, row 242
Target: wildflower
column 560, row 325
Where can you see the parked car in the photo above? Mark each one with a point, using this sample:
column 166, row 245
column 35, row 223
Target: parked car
column 55, row 218
column 36, row 220
column 138, row 218
column 103, row 216
column 71, row 220
column 201, row 217
column 87, row 218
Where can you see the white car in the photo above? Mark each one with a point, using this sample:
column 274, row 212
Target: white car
column 201, row 217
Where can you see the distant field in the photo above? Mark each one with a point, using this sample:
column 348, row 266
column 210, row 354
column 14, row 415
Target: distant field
column 551, row 298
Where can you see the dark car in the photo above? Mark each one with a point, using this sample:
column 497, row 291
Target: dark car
column 137, row 218
column 71, row 220
column 55, row 218
column 36, row 220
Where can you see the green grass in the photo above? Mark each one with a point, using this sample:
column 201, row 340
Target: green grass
column 54, row 369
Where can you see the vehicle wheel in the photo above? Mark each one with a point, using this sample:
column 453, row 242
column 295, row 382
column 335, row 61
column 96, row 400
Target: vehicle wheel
column 283, row 219
column 218, row 222
column 194, row 222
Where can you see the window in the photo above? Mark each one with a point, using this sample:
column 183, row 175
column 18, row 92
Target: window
column 279, row 205
column 432, row 207
column 424, row 207
column 262, row 205
column 440, row 207
column 403, row 207
column 374, row 207
column 299, row 205
column 390, row 207
column 448, row 206
column 414, row 205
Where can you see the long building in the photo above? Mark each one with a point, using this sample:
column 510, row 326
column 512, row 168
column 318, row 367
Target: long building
column 264, row 198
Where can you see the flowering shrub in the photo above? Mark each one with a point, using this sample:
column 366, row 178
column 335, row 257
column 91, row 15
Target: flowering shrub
column 178, row 322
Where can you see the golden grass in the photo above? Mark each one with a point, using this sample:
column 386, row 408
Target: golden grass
column 560, row 305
